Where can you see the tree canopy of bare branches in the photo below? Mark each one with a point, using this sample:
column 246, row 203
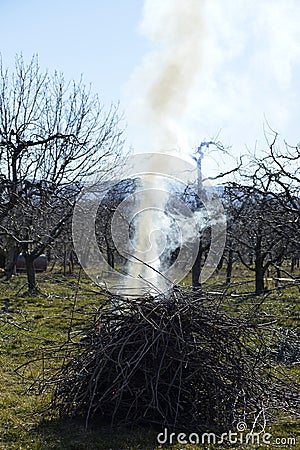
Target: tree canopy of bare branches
column 54, row 135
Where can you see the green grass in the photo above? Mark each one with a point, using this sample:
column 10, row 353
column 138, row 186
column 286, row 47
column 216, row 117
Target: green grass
column 31, row 327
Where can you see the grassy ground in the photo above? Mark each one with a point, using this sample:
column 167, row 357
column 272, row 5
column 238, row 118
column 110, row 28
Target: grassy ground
column 31, row 327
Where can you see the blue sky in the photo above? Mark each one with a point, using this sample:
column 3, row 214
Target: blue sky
column 96, row 38
column 245, row 69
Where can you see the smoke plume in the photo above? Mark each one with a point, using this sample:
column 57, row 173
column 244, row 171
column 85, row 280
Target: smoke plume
column 161, row 85
column 160, row 90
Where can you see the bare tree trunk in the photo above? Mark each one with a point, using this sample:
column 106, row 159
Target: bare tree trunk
column 196, row 269
column 30, row 274
column 259, row 276
column 220, row 264
column 229, row 266
column 278, row 275
column 12, row 257
column 110, row 258
column 294, row 263
column 109, row 254
column 65, row 262
column 2, row 260
column 71, row 262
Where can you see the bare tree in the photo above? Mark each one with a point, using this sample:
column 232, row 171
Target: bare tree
column 234, row 204
column 280, row 170
column 53, row 137
column 204, row 238
column 122, row 190
column 267, row 201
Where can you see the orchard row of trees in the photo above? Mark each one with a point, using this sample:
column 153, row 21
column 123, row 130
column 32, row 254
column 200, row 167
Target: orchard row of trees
column 262, row 208
column 55, row 136
column 263, row 213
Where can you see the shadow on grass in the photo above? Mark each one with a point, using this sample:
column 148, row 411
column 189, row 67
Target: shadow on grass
column 70, row 434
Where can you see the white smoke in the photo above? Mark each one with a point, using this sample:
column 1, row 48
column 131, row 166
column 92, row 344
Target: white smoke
column 144, row 264
column 160, row 90
column 160, row 87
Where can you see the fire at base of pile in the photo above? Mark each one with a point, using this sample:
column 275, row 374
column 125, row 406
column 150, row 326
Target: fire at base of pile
column 177, row 363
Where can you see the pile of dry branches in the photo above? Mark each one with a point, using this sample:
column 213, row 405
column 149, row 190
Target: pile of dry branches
column 177, row 361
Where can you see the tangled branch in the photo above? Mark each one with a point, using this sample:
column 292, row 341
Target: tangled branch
column 179, row 361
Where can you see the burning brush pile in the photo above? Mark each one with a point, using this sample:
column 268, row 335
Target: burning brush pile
column 177, row 362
